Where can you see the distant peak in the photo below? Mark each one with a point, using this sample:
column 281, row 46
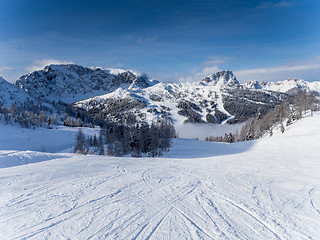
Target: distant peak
column 222, row 78
column 254, row 84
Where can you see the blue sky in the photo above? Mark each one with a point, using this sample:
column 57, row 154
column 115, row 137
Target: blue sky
column 170, row 40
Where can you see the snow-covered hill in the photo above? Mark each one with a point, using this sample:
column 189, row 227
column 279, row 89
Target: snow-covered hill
column 264, row 189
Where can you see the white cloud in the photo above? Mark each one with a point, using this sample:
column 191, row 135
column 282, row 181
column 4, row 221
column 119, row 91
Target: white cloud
column 308, row 70
column 195, row 75
column 214, row 60
column 265, row 5
column 40, row 64
column 6, row 69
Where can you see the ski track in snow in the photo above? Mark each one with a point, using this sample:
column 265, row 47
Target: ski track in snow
column 259, row 193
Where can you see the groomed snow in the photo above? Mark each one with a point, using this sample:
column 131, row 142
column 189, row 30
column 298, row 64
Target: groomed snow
column 265, row 189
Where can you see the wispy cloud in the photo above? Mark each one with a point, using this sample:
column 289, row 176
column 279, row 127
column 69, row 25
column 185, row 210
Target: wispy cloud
column 195, row 75
column 284, row 4
column 147, row 39
column 214, row 60
column 40, row 64
column 210, row 66
column 309, row 70
column 117, row 65
column 6, row 69
column 265, row 5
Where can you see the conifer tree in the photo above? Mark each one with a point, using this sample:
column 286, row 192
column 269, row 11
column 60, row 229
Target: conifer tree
column 81, row 146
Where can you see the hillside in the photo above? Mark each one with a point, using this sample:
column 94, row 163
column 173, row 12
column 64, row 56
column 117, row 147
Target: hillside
column 263, row 189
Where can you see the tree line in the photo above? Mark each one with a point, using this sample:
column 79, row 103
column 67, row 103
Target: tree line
column 31, row 114
column 119, row 139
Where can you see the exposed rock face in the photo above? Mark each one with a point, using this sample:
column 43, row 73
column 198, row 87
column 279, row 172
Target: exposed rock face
column 223, row 78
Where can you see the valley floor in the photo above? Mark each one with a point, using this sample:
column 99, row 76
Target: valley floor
column 265, row 189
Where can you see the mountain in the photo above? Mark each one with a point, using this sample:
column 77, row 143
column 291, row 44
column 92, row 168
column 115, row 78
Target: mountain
column 70, row 83
column 223, row 78
column 119, row 95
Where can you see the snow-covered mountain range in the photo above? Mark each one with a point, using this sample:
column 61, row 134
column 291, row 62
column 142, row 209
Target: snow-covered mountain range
column 119, row 95
column 289, row 86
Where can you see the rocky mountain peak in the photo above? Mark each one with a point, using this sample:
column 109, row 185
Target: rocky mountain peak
column 222, row 79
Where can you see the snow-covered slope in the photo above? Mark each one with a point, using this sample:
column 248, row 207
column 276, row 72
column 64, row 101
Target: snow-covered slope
column 70, row 83
column 10, row 93
column 265, row 189
column 58, row 139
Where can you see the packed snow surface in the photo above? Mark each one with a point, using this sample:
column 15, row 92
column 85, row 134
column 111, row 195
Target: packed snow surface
column 265, row 189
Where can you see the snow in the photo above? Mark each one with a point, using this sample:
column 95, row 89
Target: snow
column 263, row 189
column 59, row 139
column 10, row 93
column 116, row 71
column 289, row 84
column 170, row 94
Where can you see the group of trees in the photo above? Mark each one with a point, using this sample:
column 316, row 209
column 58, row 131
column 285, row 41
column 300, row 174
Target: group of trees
column 27, row 117
column 228, row 137
column 281, row 115
column 31, row 114
column 118, row 139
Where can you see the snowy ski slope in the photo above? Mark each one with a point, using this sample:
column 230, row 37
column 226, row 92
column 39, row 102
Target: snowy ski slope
column 265, row 189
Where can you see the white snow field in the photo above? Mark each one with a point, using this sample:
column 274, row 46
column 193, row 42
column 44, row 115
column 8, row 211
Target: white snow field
column 265, row 189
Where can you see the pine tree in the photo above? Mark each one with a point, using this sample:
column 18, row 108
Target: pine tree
column 80, row 147
column 101, row 145
column 282, row 128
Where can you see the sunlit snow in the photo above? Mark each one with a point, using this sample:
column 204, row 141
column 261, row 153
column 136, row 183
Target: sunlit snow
column 264, row 189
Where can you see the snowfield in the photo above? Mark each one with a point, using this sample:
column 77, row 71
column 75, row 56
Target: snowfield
column 264, row 189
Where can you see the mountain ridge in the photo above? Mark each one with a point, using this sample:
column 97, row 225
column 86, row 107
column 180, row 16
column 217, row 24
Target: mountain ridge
column 123, row 95
column 71, row 82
